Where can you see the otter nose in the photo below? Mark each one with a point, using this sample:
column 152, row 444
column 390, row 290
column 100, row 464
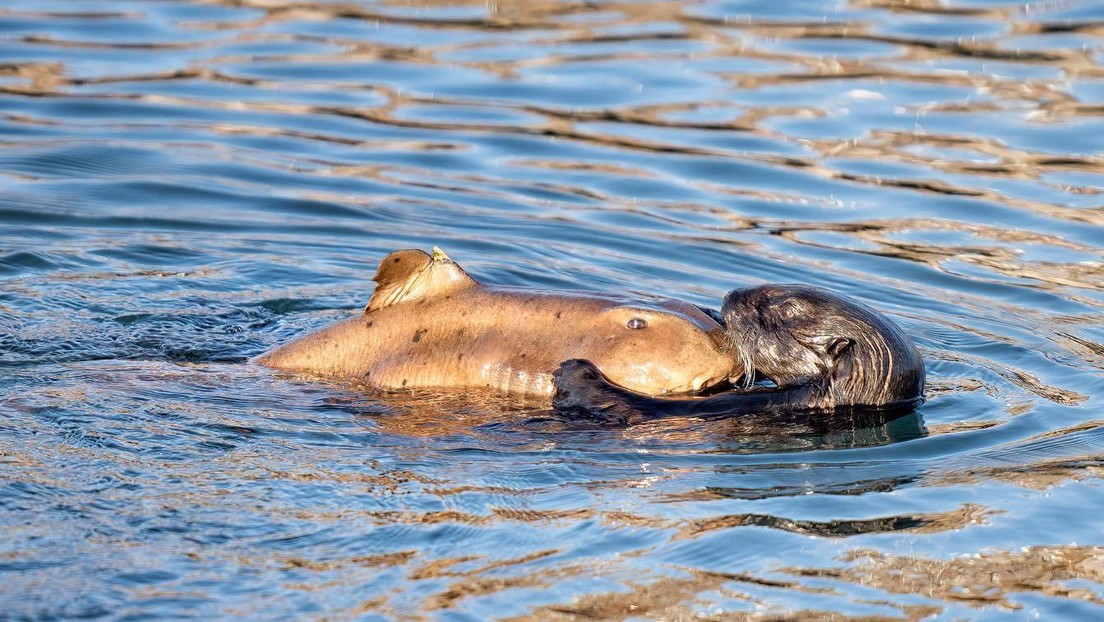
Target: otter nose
column 733, row 299
column 745, row 298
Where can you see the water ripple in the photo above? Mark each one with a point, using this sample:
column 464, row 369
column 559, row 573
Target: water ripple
column 186, row 184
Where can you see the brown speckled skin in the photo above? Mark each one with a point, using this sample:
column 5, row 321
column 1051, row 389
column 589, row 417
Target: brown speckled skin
column 512, row 339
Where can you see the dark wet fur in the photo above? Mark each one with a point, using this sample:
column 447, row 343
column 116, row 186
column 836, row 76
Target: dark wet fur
column 831, row 359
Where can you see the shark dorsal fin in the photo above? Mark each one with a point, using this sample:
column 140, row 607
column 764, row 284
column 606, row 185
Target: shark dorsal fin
column 413, row 274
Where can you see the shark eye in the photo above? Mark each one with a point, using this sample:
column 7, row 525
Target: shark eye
column 637, row 323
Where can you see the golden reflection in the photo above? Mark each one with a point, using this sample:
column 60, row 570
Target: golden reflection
column 987, row 579
column 504, row 16
column 734, row 37
column 684, row 597
column 1039, row 475
column 938, row 7
column 884, row 238
column 588, row 167
column 665, row 599
column 38, row 78
column 442, row 413
column 383, row 560
column 475, row 583
column 1019, row 378
column 998, row 159
column 920, row 523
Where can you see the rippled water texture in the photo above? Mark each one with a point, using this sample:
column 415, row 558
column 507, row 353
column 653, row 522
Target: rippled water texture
column 185, row 184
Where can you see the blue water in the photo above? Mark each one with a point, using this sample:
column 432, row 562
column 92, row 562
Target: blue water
column 184, row 185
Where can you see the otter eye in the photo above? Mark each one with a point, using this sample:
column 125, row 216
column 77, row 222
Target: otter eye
column 637, row 323
column 789, row 310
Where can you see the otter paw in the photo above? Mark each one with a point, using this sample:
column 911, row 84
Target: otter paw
column 575, row 370
column 583, row 394
column 574, row 382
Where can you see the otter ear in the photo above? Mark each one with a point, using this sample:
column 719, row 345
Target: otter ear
column 838, row 345
column 833, row 346
column 410, row 274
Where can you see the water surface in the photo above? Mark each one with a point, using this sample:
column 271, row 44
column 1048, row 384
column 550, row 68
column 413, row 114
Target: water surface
column 184, row 185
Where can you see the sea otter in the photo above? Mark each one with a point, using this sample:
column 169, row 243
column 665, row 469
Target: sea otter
column 823, row 353
column 430, row 324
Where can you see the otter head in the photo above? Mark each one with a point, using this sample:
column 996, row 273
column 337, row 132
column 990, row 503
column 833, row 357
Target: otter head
column 847, row 353
column 657, row 348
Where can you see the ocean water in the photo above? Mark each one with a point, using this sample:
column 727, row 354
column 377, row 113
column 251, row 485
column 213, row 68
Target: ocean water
column 186, row 184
